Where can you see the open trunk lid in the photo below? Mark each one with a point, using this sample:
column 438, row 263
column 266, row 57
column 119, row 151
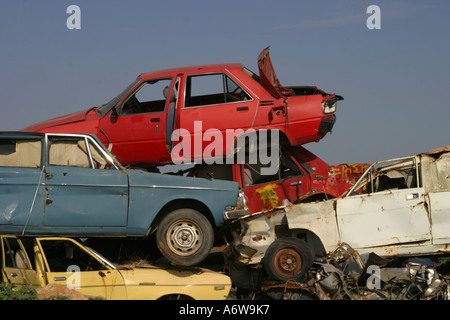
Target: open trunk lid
column 268, row 77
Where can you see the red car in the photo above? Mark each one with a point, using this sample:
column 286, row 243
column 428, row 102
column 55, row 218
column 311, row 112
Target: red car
column 301, row 177
column 145, row 123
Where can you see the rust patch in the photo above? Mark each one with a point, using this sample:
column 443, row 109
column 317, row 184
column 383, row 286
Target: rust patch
column 271, row 213
column 318, row 178
column 258, row 238
column 48, row 201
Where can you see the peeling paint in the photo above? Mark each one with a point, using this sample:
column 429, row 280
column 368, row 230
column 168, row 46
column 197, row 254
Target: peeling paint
column 269, row 196
column 9, row 211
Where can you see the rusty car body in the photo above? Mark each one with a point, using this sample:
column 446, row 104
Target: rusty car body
column 399, row 207
column 38, row 262
column 300, row 176
column 70, row 185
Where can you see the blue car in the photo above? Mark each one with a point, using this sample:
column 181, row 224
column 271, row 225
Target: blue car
column 71, row 185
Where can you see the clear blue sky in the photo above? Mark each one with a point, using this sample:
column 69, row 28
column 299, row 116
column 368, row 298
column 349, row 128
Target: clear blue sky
column 395, row 80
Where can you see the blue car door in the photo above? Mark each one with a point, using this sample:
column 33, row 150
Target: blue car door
column 21, row 182
column 83, row 197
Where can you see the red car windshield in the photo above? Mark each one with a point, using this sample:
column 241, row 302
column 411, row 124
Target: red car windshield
column 104, row 109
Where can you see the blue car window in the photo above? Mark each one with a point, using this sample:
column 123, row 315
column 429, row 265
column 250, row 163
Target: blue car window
column 68, row 152
column 98, row 159
column 20, row 153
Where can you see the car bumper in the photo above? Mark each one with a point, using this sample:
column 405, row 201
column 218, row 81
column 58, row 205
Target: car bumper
column 326, row 125
column 235, row 213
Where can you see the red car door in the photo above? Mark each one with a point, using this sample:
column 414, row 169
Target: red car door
column 138, row 124
column 215, row 108
column 290, row 182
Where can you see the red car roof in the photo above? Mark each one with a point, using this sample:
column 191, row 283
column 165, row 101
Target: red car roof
column 191, row 69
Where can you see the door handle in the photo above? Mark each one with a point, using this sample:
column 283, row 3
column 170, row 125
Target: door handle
column 296, row 183
column 242, row 108
column 154, row 120
column 59, row 278
column 48, row 175
column 411, row 196
column 13, row 274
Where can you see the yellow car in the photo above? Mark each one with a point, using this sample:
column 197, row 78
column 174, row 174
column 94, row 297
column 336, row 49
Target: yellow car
column 40, row 261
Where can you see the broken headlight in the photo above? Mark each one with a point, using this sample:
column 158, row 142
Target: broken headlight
column 329, row 104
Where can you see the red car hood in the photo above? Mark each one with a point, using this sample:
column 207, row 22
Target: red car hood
column 268, row 77
column 69, row 118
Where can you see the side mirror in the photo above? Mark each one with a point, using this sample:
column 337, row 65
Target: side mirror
column 114, row 112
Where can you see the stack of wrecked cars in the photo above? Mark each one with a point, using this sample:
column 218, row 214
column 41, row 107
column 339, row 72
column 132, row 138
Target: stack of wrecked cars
column 70, row 185
column 301, row 222
column 57, row 178
column 201, row 114
column 160, row 118
column 398, row 208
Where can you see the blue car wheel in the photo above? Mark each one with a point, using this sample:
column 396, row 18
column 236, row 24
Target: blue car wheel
column 185, row 237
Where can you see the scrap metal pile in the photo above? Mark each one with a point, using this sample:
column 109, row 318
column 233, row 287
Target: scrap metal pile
column 344, row 274
column 281, row 217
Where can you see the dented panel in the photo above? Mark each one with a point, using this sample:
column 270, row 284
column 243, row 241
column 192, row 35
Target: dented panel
column 21, row 196
column 398, row 207
column 319, row 218
column 436, row 172
column 384, row 218
column 258, row 232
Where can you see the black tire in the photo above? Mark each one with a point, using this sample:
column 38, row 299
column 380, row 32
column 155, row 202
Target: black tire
column 287, row 259
column 185, row 237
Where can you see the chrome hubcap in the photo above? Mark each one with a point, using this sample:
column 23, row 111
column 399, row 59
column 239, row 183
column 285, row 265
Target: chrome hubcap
column 184, row 237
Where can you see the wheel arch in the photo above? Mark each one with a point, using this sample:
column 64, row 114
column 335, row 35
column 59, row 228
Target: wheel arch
column 311, row 238
column 182, row 204
column 175, row 296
